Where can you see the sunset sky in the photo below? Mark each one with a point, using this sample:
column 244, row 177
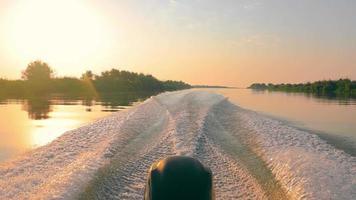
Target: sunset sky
column 217, row 42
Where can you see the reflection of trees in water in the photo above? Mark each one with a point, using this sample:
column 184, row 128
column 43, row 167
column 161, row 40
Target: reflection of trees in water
column 329, row 98
column 113, row 101
column 37, row 107
column 88, row 102
column 332, row 98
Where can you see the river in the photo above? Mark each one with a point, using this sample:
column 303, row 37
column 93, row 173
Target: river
column 29, row 123
column 331, row 118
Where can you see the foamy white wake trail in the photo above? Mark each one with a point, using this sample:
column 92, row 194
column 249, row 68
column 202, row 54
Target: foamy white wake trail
column 251, row 156
column 306, row 165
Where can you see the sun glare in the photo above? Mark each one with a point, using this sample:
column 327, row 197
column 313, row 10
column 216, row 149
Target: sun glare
column 66, row 31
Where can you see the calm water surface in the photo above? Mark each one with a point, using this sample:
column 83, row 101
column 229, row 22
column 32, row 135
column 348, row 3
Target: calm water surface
column 332, row 119
column 29, row 123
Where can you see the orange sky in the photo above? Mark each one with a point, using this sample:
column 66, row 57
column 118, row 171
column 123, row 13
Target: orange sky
column 230, row 43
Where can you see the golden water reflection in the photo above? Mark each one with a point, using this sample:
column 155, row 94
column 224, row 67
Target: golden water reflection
column 19, row 132
column 29, row 123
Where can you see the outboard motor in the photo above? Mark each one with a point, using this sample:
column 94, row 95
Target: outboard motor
column 179, row 177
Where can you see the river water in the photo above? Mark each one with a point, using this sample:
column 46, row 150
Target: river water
column 332, row 119
column 30, row 123
column 33, row 122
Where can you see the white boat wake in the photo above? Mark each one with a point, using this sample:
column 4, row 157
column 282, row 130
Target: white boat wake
column 251, row 156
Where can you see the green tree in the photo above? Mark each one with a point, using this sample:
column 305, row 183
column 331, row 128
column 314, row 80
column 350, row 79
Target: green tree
column 38, row 75
column 341, row 87
column 87, row 75
column 37, row 70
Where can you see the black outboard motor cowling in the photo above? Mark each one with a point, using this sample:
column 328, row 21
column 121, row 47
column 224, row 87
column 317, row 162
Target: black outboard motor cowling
column 179, row 177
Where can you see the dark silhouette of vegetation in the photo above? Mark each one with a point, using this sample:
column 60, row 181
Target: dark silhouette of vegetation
column 38, row 79
column 341, row 87
column 37, row 75
column 174, row 85
column 72, row 87
column 37, row 71
column 87, row 75
column 116, row 80
column 12, row 88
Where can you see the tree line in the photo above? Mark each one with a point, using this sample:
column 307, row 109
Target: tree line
column 38, row 79
column 341, row 87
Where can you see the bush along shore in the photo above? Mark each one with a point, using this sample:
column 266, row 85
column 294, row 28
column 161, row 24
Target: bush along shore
column 38, row 79
column 339, row 88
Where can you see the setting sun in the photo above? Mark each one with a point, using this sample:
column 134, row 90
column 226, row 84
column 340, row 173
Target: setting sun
column 65, row 32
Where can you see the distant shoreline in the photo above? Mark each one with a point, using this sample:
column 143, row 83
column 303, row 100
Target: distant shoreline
column 213, row 86
column 340, row 88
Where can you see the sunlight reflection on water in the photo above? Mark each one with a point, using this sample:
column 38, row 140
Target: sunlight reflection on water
column 30, row 123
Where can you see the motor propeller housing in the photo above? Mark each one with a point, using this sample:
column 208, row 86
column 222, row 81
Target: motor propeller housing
column 179, row 177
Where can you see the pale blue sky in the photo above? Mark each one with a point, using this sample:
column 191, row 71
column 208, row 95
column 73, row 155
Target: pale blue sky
column 228, row 42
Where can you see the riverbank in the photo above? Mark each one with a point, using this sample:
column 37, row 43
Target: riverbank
column 109, row 158
column 342, row 88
